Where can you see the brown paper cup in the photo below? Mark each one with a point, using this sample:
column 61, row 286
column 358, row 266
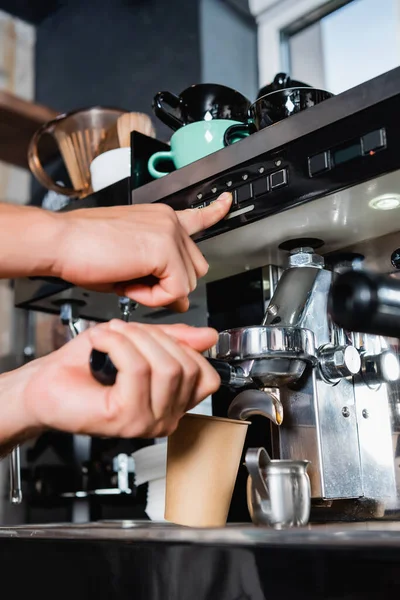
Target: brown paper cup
column 202, row 463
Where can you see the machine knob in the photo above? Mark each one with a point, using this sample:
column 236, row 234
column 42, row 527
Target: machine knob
column 380, row 368
column 338, row 362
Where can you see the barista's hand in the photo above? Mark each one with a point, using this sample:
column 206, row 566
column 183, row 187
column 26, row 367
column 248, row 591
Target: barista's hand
column 161, row 375
column 144, row 252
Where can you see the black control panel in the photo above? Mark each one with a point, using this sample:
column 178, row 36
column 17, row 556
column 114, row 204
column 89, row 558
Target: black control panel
column 255, row 187
column 366, row 145
column 340, row 155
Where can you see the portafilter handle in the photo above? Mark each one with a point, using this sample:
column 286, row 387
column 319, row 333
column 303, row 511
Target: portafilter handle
column 366, row 302
column 105, row 372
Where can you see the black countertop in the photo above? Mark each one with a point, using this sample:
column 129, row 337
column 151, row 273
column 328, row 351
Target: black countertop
column 147, row 561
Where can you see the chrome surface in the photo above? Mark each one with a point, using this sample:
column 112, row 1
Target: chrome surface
column 257, row 402
column 363, row 534
column 374, row 419
column 338, row 362
column 238, row 377
column 271, row 356
column 305, row 257
column 15, row 477
column 126, row 307
column 258, row 342
column 384, row 367
column 278, row 491
column 333, row 417
column 325, row 425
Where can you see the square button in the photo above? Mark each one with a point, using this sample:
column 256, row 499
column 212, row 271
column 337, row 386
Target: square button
column 260, row 186
column 278, row 179
column 376, row 140
column 318, row 163
column 244, row 193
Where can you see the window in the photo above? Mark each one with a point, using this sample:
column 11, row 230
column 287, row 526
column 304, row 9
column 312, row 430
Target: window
column 334, row 45
column 347, row 47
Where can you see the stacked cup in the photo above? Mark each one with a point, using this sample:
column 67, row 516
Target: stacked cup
column 199, row 117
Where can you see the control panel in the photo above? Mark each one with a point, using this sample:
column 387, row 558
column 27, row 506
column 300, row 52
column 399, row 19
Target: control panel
column 251, row 185
column 366, row 145
column 329, row 159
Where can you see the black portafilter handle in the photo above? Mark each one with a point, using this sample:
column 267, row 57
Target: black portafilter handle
column 366, row 303
column 104, row 371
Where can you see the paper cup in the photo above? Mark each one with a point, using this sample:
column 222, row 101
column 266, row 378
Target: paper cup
column 202, row 463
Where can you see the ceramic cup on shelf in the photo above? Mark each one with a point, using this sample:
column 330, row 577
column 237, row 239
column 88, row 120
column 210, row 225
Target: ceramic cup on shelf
column 191, row 143
column 110, row 167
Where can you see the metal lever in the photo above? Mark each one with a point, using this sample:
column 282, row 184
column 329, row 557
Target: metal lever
column 104, row 371
column 15, row 477
column 15, row 456
column 126, row 307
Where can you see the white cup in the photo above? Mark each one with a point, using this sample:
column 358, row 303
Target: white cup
column 110, row 167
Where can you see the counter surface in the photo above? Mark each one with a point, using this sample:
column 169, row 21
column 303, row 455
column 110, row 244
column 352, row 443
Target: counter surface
column 149, row 561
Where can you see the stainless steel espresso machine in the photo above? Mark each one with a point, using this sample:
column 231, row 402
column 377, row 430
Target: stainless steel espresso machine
column 316, row 196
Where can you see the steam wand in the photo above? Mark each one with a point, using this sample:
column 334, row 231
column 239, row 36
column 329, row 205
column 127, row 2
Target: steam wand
column 15, row 456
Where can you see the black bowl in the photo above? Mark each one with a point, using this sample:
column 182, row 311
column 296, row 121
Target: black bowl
column 279, row 105
column 202, row 102
column 281, row 81
column 275, row 107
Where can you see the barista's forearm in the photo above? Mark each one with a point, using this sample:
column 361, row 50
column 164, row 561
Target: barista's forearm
column 29, row 241
column 16, row 425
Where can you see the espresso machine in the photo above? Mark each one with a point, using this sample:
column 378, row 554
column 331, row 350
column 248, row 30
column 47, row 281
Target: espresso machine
column 304, row 290
column 313, row 195
column 315, row 198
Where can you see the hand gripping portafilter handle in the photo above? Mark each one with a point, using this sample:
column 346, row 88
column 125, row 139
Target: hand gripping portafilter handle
column 104, row 371
column 366, row 303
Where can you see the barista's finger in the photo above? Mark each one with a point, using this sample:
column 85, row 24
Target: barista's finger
column 169, row 283
column 180, row 306
column 198, row 338
column 133, row 377
column 190, row 366
column 199, row 263
column 194, row 220
column 208, row 381
column 166, row 371
column 188, row 258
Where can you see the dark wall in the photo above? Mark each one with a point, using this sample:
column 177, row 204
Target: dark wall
column 229, row 45
column 117, row 52
column 121, row 52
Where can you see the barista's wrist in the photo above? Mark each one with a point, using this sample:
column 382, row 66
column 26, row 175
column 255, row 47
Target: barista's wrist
column 30, row 241
column 17, row 424
column 47, row 241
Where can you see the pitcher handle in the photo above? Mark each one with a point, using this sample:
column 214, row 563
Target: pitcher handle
column 36, row 166
column 164, row 115
column 256, row 459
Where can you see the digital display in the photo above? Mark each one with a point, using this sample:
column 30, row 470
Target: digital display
column 344, row 154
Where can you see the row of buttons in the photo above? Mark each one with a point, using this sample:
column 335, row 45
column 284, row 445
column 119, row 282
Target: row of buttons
column 260, row 186
column 369, row 144
column 256, row 188
column 226, row 186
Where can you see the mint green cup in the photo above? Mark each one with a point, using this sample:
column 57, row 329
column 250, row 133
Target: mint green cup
column 190, row 143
